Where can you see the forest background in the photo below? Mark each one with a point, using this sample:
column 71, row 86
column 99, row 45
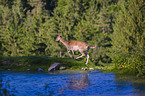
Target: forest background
column 115, row 27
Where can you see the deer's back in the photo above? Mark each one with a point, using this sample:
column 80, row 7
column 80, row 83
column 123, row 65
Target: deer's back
column 77, row 45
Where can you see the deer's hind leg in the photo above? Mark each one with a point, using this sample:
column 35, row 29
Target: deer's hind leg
column 87, row 58
column 87, row 55
column 83, row 54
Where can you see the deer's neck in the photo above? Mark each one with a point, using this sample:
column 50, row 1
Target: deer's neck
column 64, row 42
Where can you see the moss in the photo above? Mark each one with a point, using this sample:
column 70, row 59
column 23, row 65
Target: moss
column 34, row 62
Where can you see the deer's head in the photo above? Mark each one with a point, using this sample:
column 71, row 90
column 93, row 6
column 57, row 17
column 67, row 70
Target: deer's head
column 58, row 38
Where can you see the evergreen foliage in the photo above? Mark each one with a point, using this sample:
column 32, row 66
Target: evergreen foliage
column 115, row 27
column 128, row 50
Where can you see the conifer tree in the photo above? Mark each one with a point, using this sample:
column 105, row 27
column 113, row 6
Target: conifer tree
column 5, row 14
column 12, row 28
column 66, row 16
column 94, row 28
column 129, row 35
column 105, row 21
column 35, row 17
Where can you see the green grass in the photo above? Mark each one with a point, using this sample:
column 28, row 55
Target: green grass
column 34, row 62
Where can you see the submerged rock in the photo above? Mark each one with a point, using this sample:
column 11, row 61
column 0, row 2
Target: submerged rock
column 54, row 66
column 9, row 69
column 39, row 69
column 28, row 69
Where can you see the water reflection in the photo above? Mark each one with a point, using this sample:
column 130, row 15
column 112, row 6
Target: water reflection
column 76, row 82
column 92, row 83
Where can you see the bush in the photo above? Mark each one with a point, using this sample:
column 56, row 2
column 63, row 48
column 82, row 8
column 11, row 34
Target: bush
column 128, row 50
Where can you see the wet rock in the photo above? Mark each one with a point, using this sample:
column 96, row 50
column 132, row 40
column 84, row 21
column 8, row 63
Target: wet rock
column 99, row 68
column 62, row 68
column 20, row 64
column 54, row 66
column 39, row 69
column 84, row 68
column 91, row 68
column 28, row 69
column 6, row 62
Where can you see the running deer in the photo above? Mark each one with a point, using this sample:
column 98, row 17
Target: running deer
column 74, row 45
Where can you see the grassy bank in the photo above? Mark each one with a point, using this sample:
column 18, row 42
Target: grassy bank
column 34, row 62
column 129, row 70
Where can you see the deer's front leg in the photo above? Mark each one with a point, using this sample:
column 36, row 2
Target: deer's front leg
column 73, row 54
column 69, row 53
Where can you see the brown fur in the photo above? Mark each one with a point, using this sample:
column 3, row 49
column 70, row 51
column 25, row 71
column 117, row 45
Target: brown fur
column 75, row 45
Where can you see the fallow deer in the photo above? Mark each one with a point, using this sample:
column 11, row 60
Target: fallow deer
column 75, row 45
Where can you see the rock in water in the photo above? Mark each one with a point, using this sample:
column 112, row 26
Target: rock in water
column 54, row 66
column 39, row 69
column 28, row 69
column 91, row 68
column 62, row 68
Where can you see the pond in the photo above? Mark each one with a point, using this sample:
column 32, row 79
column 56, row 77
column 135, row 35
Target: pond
column 67, row 83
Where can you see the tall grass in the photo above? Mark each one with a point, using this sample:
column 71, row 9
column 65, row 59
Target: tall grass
column 133, row 63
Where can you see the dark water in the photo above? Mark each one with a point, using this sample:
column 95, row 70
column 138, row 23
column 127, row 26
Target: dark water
column 69, row 84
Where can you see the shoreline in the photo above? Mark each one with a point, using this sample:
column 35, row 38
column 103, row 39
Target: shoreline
column 41, row 63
